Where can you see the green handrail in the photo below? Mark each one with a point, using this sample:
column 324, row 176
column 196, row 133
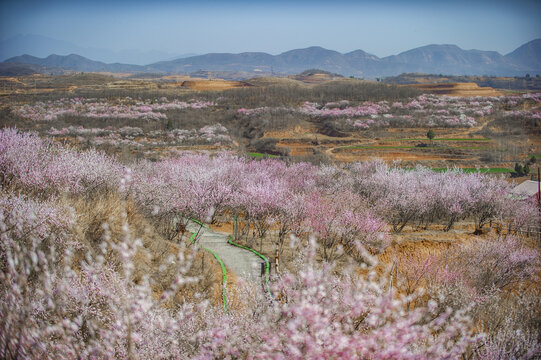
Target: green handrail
column 267, row 263
column 224, row 273
column 199, row 223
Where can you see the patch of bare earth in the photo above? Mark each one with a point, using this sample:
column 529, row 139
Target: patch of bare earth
column 457, row 89
column 213, row 84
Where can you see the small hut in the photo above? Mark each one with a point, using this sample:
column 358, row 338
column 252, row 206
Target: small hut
column 526, row 190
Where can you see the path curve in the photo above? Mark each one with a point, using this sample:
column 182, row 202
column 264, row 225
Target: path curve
column 242, row 263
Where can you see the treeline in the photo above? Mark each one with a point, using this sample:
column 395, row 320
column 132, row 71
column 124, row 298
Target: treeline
column 294, row 95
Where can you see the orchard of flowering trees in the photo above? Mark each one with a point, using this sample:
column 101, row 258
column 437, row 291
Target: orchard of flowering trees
column 423, row 111
column 96, row 108
column 64, row 298
column 210, row 134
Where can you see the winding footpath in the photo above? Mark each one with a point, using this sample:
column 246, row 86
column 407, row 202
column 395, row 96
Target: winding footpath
column 244, row 264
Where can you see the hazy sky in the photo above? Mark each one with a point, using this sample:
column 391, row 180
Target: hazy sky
column 378, row 27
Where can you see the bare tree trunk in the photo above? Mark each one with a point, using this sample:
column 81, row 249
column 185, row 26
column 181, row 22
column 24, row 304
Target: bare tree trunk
column 277, row 258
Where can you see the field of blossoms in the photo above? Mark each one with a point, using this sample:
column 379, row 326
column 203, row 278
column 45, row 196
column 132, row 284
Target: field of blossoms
column 389, row 126
column 373, row 259
column 97, row 263
column 124, row 108
column 469, row 131
column 423, row 111
column 127, row 135
column 125, row 123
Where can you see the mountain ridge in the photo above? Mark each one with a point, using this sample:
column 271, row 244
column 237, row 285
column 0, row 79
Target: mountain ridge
column 42, row 46
column 434, row 58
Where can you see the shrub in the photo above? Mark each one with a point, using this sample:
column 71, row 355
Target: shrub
column 526, row 169
column 519, row 170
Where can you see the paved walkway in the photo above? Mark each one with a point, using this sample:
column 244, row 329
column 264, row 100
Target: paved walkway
column 243, row 263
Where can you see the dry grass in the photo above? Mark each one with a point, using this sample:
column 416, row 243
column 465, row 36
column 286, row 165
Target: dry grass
column 275, row 81
column 157, row 258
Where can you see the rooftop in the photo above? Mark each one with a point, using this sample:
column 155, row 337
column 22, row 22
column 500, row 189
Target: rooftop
column 525, row 190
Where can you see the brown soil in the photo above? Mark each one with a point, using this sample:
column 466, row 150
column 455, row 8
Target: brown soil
column 304, row 140
column 10, row 79
column 213, row 84
column 457, row 89
column 177, row 77
column 222, row 227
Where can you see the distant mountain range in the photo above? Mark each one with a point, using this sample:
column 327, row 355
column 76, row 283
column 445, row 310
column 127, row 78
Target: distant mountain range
column 74, row 62
column 42, row 46
column 431, row 59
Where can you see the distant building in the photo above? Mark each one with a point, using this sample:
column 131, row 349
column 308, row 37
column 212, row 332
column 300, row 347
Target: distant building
column 526, row 190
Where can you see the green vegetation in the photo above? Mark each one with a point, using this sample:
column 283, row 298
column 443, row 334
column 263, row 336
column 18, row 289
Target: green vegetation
column 440, row 139
column 415, row 147
column 481, row 170
column 261, row 155
column 380, row 147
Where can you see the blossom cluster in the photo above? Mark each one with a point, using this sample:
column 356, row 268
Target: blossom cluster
column 425, row 110
column 528, row 114
column 24, row 217
column 261, row 110
column 330, row 109
column 29, row 161
column 126, row 131
column 210, row 134
column 403, row 197
column 125, row 108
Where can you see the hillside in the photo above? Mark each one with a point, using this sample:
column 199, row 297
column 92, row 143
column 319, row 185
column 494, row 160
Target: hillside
column 449, row 59
column 528, row 55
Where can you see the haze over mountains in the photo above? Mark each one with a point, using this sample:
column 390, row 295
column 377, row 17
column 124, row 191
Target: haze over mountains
column 433, row 59
column 42, row 46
